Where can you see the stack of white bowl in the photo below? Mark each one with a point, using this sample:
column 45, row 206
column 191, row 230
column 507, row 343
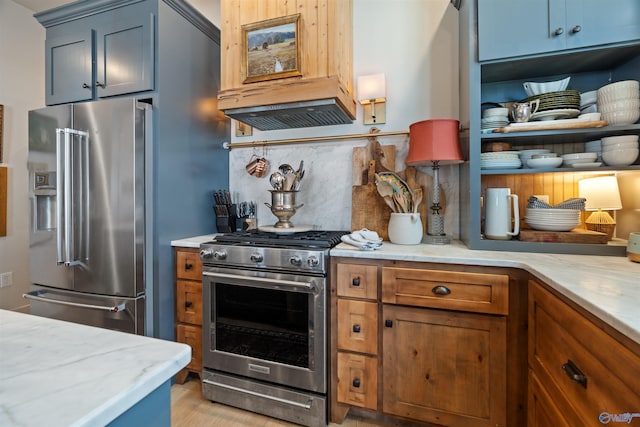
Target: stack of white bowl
column 552, row 219
column 526, row 154
column 619, row 103
column 544, row 160
column 494, row 118
column 579, row 159
column 620, row 150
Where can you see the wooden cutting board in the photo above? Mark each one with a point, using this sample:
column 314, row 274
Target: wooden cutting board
column 550, row 125
column 368, row 209
column 573, row 236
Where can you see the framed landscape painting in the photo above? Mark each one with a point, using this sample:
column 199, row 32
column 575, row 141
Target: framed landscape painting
column 271, row 49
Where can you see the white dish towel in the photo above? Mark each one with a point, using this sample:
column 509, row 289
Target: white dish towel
column 364, row 239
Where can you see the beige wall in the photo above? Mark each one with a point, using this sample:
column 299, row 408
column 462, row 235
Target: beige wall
column 21, row 89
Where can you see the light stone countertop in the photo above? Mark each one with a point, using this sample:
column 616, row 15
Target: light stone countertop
column 607, row 286
column 55, row 373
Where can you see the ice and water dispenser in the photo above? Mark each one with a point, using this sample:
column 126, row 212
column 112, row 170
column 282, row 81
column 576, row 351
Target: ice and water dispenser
column 44, row 191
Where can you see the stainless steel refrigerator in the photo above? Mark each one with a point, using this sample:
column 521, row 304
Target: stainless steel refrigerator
column 87, row 195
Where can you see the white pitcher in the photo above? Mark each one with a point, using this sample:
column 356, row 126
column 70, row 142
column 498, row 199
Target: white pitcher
column 498, row 219
column 405, row 228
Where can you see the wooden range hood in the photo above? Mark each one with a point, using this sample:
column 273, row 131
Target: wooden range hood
column 323, row 93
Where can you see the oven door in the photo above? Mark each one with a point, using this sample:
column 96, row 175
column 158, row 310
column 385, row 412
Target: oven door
column 267, row 326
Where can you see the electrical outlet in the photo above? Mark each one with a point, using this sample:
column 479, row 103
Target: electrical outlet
column 6, row 279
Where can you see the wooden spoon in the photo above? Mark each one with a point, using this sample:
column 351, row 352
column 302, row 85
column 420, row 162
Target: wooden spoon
column 401, row 201
column 417, row 198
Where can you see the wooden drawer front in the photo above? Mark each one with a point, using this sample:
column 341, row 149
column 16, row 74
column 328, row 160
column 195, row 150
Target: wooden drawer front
column 358, row 281
column 476, row 292
column 191, row 335
column 358, row 380
column 557, row 335
column 542, row 411
column 189, row 302
column 358, row 326
column 188, row 264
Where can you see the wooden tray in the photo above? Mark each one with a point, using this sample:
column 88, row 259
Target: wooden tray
column 552, row 125
column 573, row 236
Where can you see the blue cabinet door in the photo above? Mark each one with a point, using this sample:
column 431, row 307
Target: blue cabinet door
column 125, row 55
column 595, row 22
column 511, row 28
column 69, row 67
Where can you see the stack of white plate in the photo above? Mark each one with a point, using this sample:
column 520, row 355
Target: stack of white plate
column 588, row 102
column 552, row 219
column 594, row 147
column 494, row 118
column 526, row 154
column 500, row 160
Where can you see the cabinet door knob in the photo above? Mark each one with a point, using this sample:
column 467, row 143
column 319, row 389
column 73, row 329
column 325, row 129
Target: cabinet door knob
column 356, row 281
column 576, row 29
column 85, row 86
column 388, row 323
column 441, row 290
column 356, row 328
column 574, row 373
column 100, row 84
column 188, row 266
column 356, row 383
column 188, row 304
column 558, row 31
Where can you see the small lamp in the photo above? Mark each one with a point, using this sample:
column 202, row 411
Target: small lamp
column 433, row 143
column 601, row 194
column 372, row 96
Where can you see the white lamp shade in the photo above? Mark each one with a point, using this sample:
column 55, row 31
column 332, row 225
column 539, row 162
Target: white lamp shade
column 601, row 193
column 371, row 87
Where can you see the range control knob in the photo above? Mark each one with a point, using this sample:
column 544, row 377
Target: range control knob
column 313, row 261
column 206, row 254
column 256, row 257
column 295, row 260
column 220, row 255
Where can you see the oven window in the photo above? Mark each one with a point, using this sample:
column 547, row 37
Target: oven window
column 266, row 324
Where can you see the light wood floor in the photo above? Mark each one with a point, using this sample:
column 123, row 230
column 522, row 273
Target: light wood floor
column 190, row 409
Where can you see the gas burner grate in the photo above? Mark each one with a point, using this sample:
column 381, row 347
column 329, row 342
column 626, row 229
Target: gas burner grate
column 305, row 239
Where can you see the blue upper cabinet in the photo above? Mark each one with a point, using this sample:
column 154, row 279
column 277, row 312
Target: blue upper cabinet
column 105, row 52
column 508, row 28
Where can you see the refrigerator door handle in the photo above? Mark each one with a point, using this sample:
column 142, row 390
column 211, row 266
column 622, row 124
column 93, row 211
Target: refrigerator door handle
column 38, row 296
column 67, row 196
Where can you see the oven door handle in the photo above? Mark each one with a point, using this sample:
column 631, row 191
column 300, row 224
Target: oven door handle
column 262, row 282
column 255, row 393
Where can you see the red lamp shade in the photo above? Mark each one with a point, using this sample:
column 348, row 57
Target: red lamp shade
column 435, row 139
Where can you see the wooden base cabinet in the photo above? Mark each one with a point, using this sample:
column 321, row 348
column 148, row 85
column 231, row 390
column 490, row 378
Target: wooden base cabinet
column 590, row 372
column 189, row 307
column 444, row 367
column 432, row 348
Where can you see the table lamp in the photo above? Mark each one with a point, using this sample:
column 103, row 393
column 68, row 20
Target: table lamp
column 433, row 143
column 602, row 194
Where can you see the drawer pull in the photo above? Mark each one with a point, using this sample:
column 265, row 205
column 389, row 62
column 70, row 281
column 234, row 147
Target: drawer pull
column 441, row 290
column 356, row 328
column 574, row 373
column 188, row 266
column 356, row 383
column 388, row 323
column 576, row 29
column 558, row 31
column 188, row 304
column 355, row 281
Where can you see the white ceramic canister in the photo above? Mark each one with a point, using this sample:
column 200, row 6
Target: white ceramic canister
column 498, row 219
column 405, row 228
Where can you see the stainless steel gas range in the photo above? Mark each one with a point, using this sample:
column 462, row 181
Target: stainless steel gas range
column 265, row 322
